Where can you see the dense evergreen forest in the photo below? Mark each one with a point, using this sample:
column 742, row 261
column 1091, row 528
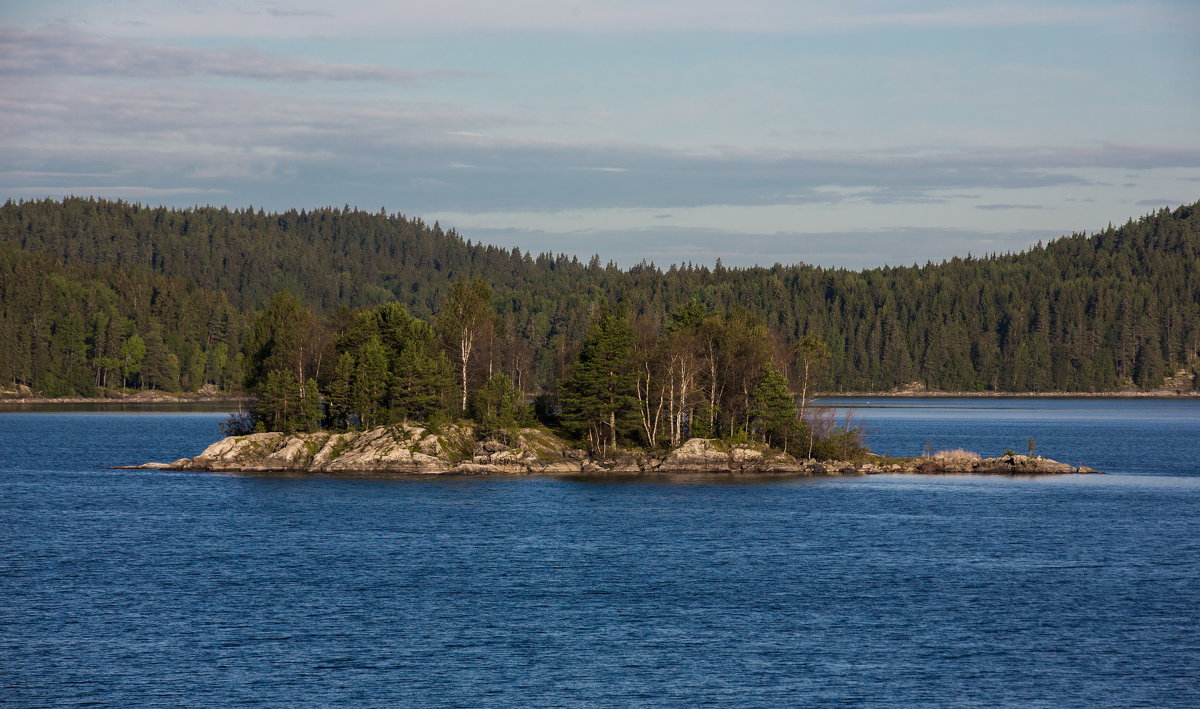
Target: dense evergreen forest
column 98, row 295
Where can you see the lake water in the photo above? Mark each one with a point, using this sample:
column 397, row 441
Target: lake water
column 123, row 588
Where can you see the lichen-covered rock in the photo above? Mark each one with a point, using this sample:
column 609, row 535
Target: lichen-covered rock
column 254, row 452
column 377, row 450
column 382, row 450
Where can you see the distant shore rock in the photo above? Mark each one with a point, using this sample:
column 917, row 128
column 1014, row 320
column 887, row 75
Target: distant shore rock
column 1003, row 465
column 209, row 394
column 413, row 450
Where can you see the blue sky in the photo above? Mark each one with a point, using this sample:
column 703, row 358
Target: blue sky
column 854, row 133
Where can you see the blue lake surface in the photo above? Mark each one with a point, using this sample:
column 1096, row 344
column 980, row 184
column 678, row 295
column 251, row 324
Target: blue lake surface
column 122, row 588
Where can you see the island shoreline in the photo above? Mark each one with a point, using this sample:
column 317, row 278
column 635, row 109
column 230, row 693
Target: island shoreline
column 407, row 449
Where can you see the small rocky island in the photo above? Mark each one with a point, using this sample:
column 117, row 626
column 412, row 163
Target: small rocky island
column 406, row 449
column 700, row 391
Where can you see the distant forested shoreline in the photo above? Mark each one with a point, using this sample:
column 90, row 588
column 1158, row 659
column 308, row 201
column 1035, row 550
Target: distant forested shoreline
column 102, row 296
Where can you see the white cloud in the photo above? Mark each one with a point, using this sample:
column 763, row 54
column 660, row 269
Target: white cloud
column 600, row 169
column 112, row 191
column 589, row 138
column 358, row 18
column 439, row 157
column 51, row 52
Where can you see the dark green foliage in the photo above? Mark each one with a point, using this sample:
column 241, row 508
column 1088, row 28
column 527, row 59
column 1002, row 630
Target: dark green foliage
column 80, row 277
column 497, row 406
column 741, row 350
column 463, row 319
column 598, row 397
column 280, row 339
column 696, row 376
column 286, row 404
column 160, row 368
column 240, row 423
column 843, row 442
column 340, row 409
column 369, row 390
column 420, row 376
column 715, row 375
column 280, row 354
column 389, row 368
column 195, row 369
column 132, row 352
column 70, row 329
column 812, row 363
column 773, row 412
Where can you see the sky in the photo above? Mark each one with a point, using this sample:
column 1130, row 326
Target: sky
column 849, row 133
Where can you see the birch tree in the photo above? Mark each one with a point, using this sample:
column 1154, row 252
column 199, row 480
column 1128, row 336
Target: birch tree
column 462, row 319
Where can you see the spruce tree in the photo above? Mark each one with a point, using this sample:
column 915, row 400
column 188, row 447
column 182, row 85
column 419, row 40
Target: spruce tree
column 773, row 412
column 340, row 391
column 599, row 396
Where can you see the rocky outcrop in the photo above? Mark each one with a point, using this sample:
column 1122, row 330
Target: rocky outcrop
column 413, row 450
column 402, row 449
column 715, row 456
column 1005, row 465
column 393, row 449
